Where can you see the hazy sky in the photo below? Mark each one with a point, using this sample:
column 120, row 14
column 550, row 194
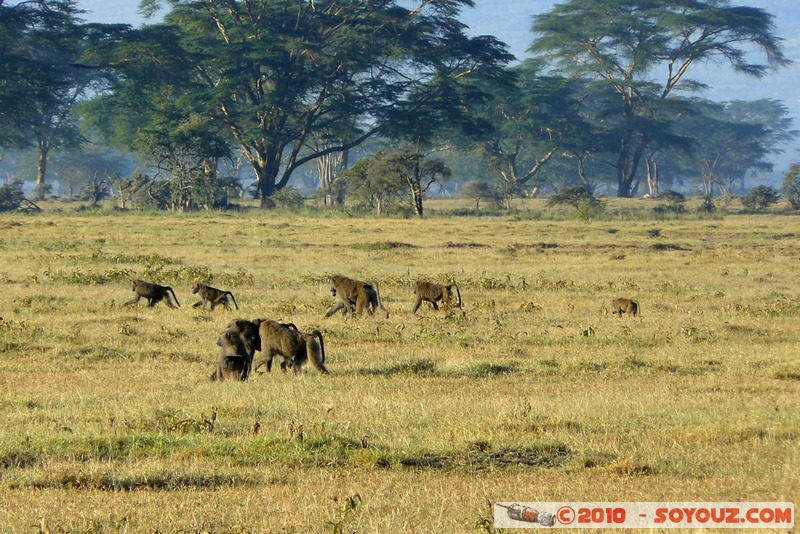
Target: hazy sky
column 510, row 21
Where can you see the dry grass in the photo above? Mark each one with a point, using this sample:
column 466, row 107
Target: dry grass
column 533, row 393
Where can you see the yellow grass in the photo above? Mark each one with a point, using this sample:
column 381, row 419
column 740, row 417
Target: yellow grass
column 533, row 393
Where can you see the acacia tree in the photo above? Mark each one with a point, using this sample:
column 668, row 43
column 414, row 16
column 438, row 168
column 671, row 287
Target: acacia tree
column 532, row 117
column 411, row 168
column 41, row 80
column 732, row 139
column 623, row 44
column 275, row 72
column 371, row 187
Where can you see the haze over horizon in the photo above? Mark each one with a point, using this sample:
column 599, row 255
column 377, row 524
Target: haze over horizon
column 510, row 21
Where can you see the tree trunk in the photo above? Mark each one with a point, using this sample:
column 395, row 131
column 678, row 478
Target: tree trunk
column 508, row 196
column 41, row 168
column 631, row 151
column 266, row 185
column 652, row 176
column 330, row 167
column 416, row 197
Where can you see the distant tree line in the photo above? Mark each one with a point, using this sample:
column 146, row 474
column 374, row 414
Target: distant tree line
column 378, row 103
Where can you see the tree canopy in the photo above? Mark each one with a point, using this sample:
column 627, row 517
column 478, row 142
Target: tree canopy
column 277, row 75
column 643, row 50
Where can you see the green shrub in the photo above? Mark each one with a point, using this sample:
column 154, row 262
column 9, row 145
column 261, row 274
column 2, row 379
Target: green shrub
column 289, row 198
column 11, row 196
column 761, row 197
column 574, row 195
column 707, row 207
column 791, row 186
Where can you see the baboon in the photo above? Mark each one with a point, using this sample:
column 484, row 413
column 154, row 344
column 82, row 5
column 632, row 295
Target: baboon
column 278, row 339
column 154, row 294
column 234, row 362
column 354, row 296
column 248, row 330
column 432, row 292
column 620, row 306
column 214, row 296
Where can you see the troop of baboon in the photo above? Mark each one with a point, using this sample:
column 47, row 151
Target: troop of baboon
column 242, row 338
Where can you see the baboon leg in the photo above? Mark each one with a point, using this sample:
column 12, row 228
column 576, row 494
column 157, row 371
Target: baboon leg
column 266, row 360
column 416, row 305
column 336, row 307
column 198, row 304
column 131, row 302
column 228, row 304
column 435, row 306
column 361, row 303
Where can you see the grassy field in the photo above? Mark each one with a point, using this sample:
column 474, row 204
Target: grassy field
column 534, row 392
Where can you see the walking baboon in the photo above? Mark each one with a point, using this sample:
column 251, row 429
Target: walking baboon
column 354, row 296
column 154, row 294
column 432, row 292
column 214, row 296
column 248, row 330
column 234, row 360
column 620, row 306
column 278, row 339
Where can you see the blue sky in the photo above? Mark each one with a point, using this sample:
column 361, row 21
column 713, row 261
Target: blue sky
column 510, row 21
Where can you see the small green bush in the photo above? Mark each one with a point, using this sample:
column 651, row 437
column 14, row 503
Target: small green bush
column 707, row 207
column 791, row 186
column 761, row 197
column 574, row 195
column 11, row 196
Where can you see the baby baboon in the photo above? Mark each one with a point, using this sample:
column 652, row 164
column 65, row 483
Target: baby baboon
column 154, row 294
column 234, row 361
column 433, row 293
column 214, row 296
column 620, row 306
column 278, row 339
column 351, row 293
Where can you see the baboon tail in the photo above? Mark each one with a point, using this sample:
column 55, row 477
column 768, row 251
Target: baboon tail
column 638, row 310
column 317, row 334
column 174, row 296
column 234, row 299
column 380, row 302
column 458, row 292
column 319, row 363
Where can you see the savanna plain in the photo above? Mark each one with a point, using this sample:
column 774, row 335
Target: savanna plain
column 533, row 391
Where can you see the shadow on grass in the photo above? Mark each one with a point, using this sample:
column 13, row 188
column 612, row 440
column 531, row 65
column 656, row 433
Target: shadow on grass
column 544, row 455
column 426, row 367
